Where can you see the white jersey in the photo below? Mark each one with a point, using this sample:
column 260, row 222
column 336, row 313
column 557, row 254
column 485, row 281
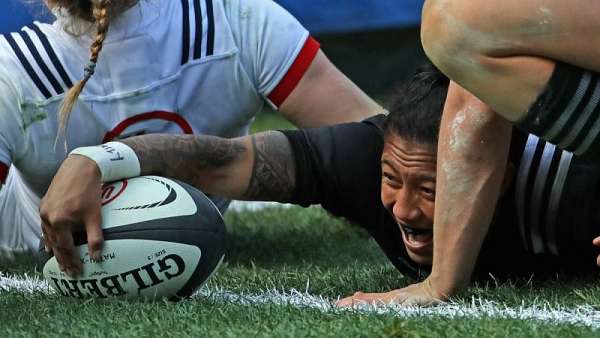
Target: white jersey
column 167, row 66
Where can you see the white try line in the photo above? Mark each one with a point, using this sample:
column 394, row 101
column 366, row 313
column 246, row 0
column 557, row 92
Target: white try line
column 237, row 206
column 581, row 315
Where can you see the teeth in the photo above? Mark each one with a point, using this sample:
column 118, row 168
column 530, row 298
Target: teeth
column 418, row 238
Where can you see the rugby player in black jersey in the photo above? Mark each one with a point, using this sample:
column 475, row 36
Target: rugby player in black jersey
column 529, row 63
column 379, row 174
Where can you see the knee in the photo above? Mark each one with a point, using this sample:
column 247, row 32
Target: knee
column 451, row 36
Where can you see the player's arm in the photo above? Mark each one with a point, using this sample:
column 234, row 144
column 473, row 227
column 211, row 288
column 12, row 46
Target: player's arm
column 289, row 69
column 325, row 96
column 257, row 167
column 473, row 150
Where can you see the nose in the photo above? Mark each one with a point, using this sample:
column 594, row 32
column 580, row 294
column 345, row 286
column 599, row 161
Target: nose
column 406, row 208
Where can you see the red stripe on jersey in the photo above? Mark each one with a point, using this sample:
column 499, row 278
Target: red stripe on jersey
column 296, row 72
column 3, row 172
column 157, row 115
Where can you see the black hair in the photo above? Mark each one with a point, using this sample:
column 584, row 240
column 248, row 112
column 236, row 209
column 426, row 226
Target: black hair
column 417, row 107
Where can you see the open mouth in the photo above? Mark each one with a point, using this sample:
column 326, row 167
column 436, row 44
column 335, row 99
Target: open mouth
column 417, row 240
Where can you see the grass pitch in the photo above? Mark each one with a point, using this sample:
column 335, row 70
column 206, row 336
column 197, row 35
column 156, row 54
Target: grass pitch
column 277, row 250
column 283, row 267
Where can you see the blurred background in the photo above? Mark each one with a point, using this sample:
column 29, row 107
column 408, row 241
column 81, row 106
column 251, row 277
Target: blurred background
column 375, row 42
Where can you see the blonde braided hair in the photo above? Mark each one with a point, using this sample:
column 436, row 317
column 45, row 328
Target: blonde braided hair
column 100, row 14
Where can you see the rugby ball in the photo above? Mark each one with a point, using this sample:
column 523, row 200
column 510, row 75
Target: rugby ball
column 162, row 239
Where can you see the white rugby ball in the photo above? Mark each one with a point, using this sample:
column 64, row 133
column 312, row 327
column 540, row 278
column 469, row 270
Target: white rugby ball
column 162, row 239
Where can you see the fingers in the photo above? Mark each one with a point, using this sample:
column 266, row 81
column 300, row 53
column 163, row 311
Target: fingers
column 95, row 239
column 401, row 297
column 360, row 298
column 344, row 302
column 350, row 301
column 65, row 253
column 46, row 237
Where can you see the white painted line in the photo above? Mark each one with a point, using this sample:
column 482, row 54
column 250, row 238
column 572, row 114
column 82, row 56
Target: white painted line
column 255, row 206
column 583, row 315
column 24, row 284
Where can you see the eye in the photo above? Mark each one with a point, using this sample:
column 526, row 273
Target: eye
column 391, row 180
column 428, row 192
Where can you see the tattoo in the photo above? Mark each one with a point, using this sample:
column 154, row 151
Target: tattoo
column 274, row 173
column 222, row 166
column 186, row 157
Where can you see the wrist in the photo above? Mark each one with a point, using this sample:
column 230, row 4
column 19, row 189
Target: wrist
column 443, row 287
column 114, row 160
column 86, row 166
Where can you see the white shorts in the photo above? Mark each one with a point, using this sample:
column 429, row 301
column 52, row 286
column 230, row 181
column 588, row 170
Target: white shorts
column 20, row 229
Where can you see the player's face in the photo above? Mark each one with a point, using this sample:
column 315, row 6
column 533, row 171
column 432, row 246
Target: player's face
column 408, row 193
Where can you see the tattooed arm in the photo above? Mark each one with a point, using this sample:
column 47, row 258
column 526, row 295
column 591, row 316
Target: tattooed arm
column 257, row 167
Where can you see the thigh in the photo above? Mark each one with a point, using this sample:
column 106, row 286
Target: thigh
column 555, row 29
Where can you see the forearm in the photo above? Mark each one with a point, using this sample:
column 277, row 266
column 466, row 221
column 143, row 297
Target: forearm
column 258, row 167
column 472, row 154
column 204, row 161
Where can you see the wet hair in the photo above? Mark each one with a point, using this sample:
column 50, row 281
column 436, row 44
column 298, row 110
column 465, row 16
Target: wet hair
column 98, row 12
column 417, row 107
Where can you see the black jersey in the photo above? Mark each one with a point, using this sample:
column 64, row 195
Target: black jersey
column 543, row 224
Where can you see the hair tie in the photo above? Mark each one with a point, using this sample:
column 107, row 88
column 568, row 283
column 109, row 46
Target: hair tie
column 89, row 69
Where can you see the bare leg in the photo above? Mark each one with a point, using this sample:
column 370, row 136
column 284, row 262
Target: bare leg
column 504, row 51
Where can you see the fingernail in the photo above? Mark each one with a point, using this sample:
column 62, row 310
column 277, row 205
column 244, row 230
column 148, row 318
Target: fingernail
column 96, row 256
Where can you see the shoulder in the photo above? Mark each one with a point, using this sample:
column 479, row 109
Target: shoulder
column 344, row 138
column 238, row 11
column 263, row 29
column 337, row 166
column 258, row 23
column 31, row 58
column 13, row 82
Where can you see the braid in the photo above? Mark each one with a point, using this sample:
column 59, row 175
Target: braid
column 100, row 13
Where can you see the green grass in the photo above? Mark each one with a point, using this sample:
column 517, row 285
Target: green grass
column 48, row 316
column 269, row 120
column 283, row 249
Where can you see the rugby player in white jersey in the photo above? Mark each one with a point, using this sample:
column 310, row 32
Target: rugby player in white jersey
column 168, row 66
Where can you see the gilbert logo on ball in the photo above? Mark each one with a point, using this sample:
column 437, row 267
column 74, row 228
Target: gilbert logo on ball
column 163, row 239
